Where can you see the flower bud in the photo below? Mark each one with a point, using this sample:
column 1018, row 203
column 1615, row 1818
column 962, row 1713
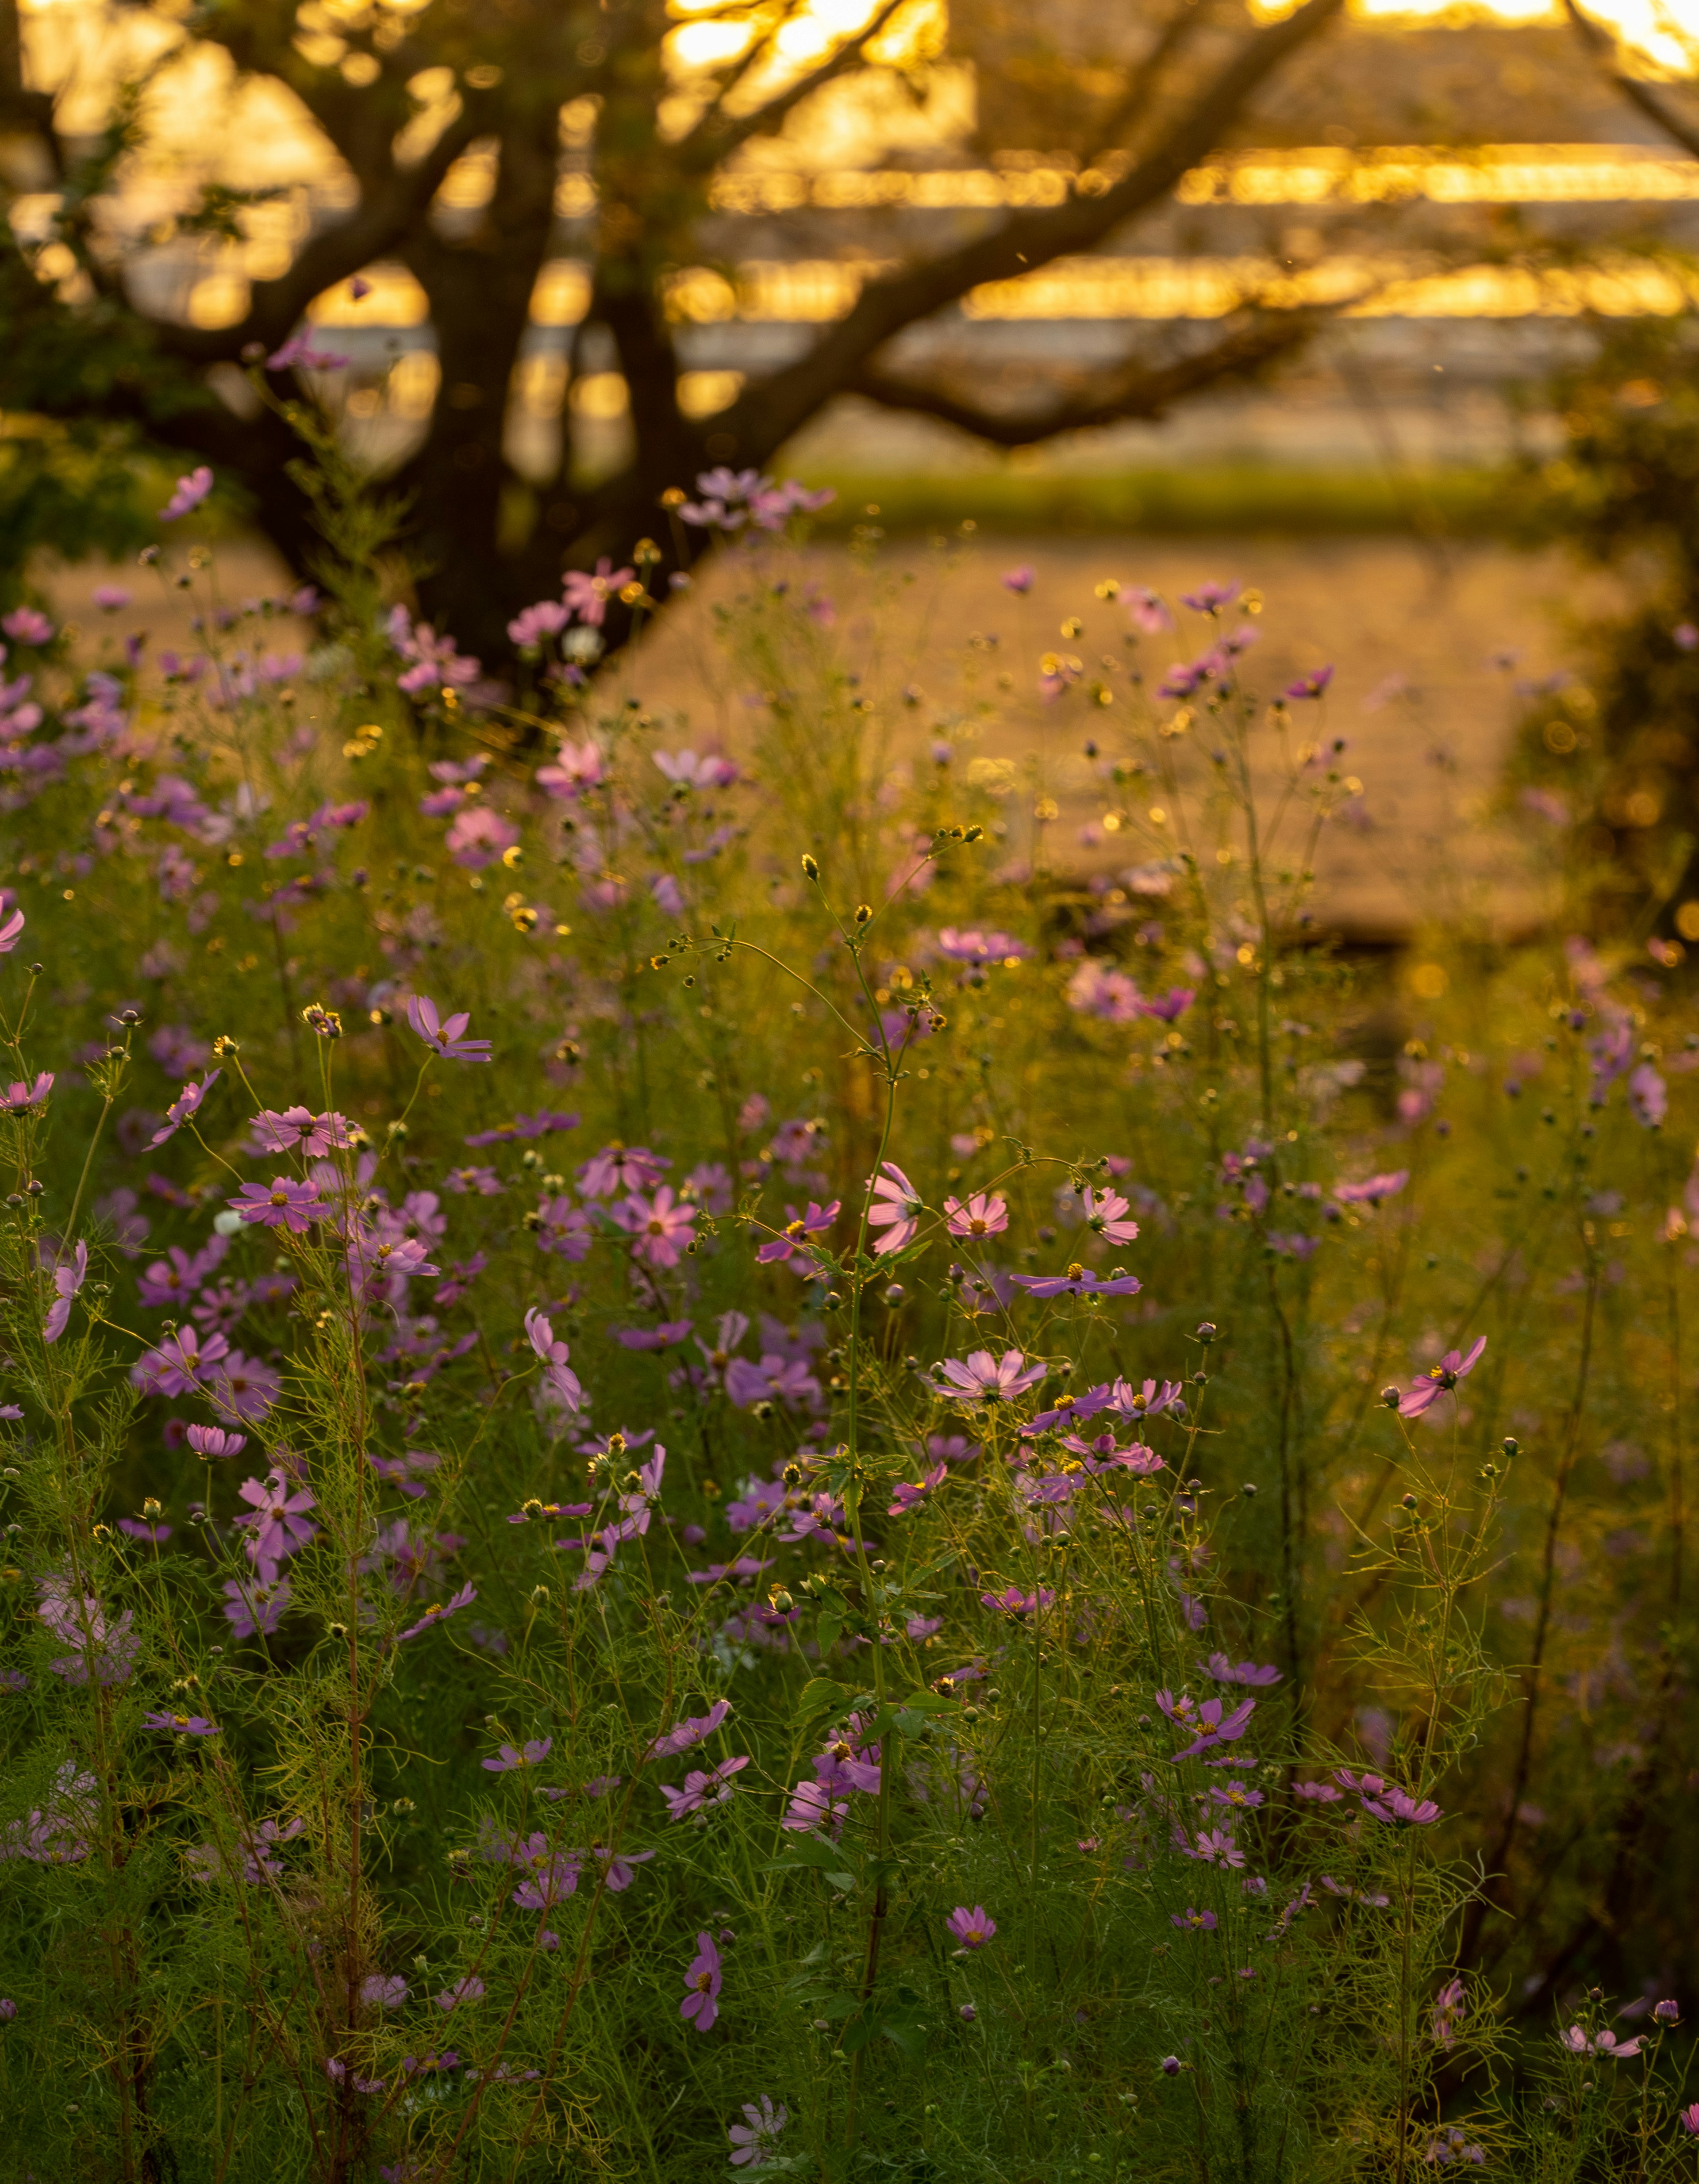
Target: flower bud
column 1391, row 1397
column 810, row 870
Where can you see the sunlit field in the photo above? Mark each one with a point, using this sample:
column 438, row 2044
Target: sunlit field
column 719, row 1452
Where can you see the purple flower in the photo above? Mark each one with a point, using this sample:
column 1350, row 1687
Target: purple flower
column 904, row 1496
column 67, row 1281
column 984, row 1378
column 972, row 1928
column 1208, row 598
column 703, row 1788
column 387, row 1994
column 898, row 1211
column 586, row 596
column 27, row 626
column 1373, row 1189
column 182, row 1108
column 554, row 1874
column 1193, row 1922
column 693, row 1730
column 1386, row 1801
column 1453, row 1367
column 1017, row 580
column 984, row 948
column 662, row 1228
column 756, row 2142
column 1012, row 1601
column 469, row 1989
column 18, row 1097
column 1688, row 2119
column 1244, row 1672
column 192, row 491
column 548, row 618
column 1450, row 2007
column 1605, row 2044
column 442, row 1036
column 701, row 2003
column 562, row 1383
column 279, row 1507
column 210, row 1441
column 282, row 1203
column 985, row 1214
column 812, row 1805
column 316, row 1134
column 798, row 1229
column 439, row 1611
column 1666, row 2012
column 8, row 2010
column 298, row 352
column 1078, row 1282
column 1311, row 685
column 529, row 1755
column 11, row 933
column 181, row 1725
column 1213, row 1723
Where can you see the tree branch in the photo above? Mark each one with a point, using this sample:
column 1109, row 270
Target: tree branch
column 1602, row 49
column 770, row 410
column 382, row 220
column 718, row 132
column 1175, row 34
column 1131, row 391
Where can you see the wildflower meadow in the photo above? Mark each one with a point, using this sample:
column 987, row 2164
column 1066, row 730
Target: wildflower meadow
column 712, row 1465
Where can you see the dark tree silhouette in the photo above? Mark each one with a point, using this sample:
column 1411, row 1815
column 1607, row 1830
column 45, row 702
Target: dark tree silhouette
column 79, row 345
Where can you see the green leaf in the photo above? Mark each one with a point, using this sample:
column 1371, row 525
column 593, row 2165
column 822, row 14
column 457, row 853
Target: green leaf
column 822, row 1696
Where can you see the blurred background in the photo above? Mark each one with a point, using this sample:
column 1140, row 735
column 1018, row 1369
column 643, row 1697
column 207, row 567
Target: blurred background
column 1386, row 311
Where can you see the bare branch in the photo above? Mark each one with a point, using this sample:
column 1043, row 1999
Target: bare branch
column 1650, row 102
column 381, row 221
column 718, row 132
column 771, row 408
column 1131, row 390
column 1175, row 34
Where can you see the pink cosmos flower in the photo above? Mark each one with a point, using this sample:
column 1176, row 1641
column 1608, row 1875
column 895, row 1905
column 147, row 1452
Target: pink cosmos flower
column 548, row 618
column 692, row 1731
column 1214, row 1725
column 1439, row 1379
column 985, row 1214
column 701, row 2003
column 984, row 948
column 179, row 1364
column 316, row 1134
column 1386, row 1801
column 984, row 1378
column 439, row 1611
column 1146, row 611
column 18, row 1097
column 662, row 1228
column 279, row 1507
column 686, row 770
column 557, row 1376
column 972, row 1928
column 528, row 1755
column 192, row 491
column 1193, row 1922
column 185, row 1104
column 756, row 2141
column 181, row 1724
column 703, row 1787
column 67, row 1281
column 470, row 1989
column 11, row 933
column 479, row 836
column 564, row 1228
column 898, row 1211
column 1373, row 1189
column 282, row 1203
column 1018, row 580
column 576, row 767
column 620, row 1167
column 211, row 1442
column 1312, row 685
column 904, row 1496
column 1106, row 1211
column 27, row 626
column 792, row 1239
column 444, row 1037
column 1604, row 2044
column 588, row 595
column 1244, row 1672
